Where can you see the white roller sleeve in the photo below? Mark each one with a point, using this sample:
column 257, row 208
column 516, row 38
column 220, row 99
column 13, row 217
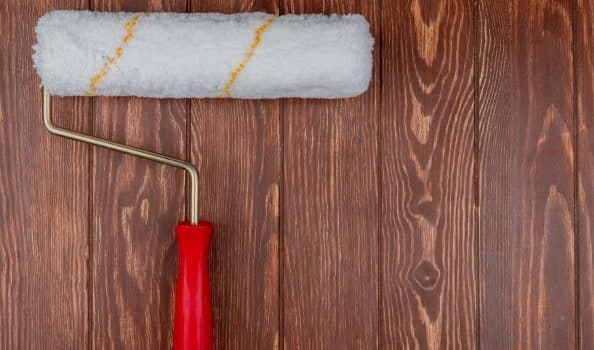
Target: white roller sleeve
column 247, row 55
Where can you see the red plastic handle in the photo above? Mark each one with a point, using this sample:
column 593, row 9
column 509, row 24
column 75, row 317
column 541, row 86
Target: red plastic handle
column 193, row 311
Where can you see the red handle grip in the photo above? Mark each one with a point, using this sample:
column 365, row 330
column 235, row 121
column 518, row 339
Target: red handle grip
column 193, row 311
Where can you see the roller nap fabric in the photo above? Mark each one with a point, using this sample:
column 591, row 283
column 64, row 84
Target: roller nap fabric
column 247, row 55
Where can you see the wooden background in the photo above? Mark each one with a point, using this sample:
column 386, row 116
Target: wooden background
column 449, row 207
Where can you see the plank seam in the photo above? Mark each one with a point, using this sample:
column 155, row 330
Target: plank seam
column 281, row 210
column 281, row 215
column 476, row 168
column 380, row 260
column 576, row 235
column 281, row 235
column 90, row 227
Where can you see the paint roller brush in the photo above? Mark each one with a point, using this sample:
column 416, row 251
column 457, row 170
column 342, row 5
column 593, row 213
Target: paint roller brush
column 198, row 55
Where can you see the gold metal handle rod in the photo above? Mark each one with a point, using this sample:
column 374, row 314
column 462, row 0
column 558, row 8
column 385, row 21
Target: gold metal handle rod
column 96, row 141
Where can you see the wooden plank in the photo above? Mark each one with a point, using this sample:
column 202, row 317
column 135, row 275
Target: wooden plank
column 137, row 204
column 585, row 162
column 236, row 145
column 428, row 224
column 43, row 198
column 330, row 202
column 526, row 175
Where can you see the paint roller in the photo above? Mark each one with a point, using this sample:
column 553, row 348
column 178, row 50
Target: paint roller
column 198, row 55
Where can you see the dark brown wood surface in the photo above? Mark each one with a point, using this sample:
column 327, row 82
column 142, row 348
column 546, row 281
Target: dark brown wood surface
column 330, row 283
column 44, row 192
column 526, row 175
column 450, row 206
column 428, row 231
column 585, row 166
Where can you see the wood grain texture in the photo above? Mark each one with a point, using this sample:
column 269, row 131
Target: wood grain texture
column 236, row 144
column 526, row 175
column 330, row 207
column 428, row 226
column 438, row 210
column 137, row 204
column 43, row 199
column 585, row 161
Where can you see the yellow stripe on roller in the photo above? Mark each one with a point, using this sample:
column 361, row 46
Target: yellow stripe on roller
column 248, row 56
column 130, row 26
